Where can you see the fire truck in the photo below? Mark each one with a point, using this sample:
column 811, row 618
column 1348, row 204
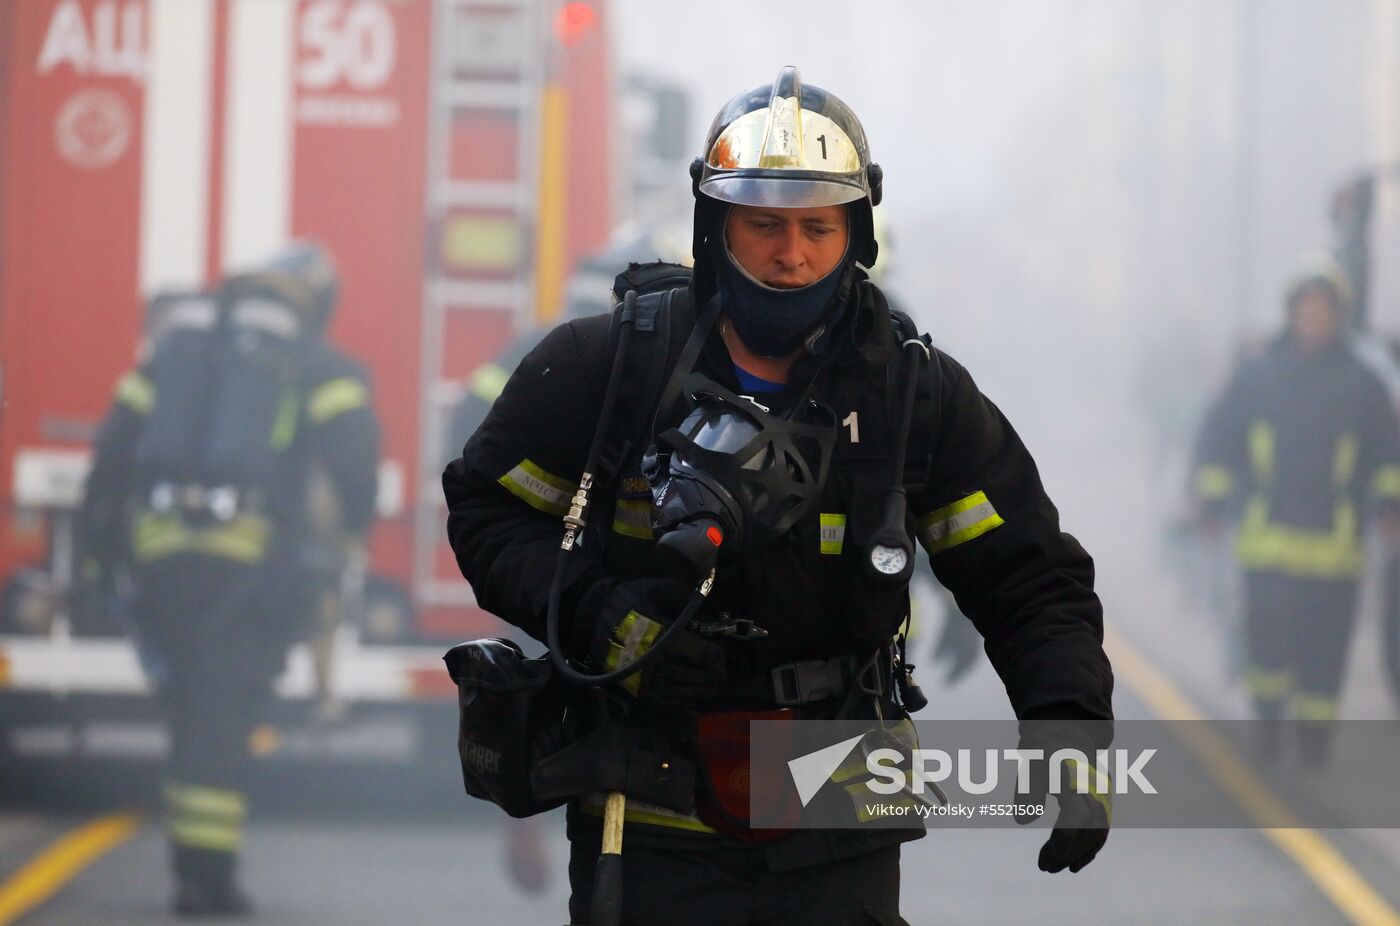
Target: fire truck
column 456, row 158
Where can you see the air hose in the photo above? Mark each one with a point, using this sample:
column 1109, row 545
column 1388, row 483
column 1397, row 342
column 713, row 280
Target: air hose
column 576, row 520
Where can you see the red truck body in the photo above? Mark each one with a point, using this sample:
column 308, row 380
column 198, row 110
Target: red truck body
column 453, row 157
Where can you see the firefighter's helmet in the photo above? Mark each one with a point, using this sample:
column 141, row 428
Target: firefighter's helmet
column 1320, row 271
column 789, row 145
column 300, row 275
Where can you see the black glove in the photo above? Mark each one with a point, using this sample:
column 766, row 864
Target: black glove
column 624, row 618
column 1081, row 826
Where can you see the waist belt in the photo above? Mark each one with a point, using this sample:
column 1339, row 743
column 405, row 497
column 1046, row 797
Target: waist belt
column 796, row 683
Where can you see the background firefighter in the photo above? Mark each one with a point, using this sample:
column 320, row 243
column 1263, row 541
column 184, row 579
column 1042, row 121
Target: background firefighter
column 1300, row 447
column 225, row 454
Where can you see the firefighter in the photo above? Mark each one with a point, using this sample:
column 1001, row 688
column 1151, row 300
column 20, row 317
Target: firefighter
column 1301, row 446
column 782, row 236
column 202, row 484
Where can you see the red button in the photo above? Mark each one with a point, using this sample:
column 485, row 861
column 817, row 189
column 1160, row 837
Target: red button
column 715, row 534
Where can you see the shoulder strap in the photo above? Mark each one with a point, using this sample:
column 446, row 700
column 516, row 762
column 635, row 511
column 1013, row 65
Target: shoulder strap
column 660, row 319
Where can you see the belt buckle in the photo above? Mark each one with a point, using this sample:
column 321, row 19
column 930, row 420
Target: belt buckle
column 787, row 679
column 798, row 683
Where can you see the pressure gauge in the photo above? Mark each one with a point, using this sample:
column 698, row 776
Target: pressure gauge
column 891, row 551
column 889, row 561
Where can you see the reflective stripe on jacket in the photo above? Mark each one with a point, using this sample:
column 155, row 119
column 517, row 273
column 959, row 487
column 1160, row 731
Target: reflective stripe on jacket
column 1297, row 448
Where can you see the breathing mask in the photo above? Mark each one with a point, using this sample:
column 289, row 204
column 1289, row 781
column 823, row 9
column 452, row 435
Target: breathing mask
column 733, row 477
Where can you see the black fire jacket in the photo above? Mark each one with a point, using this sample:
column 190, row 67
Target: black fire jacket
column 1298, row 448
column 993, row 536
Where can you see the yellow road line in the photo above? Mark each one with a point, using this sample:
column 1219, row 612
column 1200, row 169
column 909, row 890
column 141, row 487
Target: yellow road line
column 61, row 862
column 1318, row 859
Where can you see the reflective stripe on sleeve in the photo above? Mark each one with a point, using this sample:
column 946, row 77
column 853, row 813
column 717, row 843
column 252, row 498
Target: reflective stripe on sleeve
column 1386, row 482
column 833, row 528
column 634, row 636
column 632, row 518
column 1100, row 785
column 489, row 381
column 136, row 392
column 958, row 523
column 630, row 640
column 1214, row 481
column 335, row 397
column 538, row 488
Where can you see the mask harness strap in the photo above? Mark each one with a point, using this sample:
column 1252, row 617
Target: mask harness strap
column 575, row 520
column 685, row 363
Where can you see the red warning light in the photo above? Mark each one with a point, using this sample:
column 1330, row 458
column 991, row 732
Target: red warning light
column 573, row 22
column 715, row 535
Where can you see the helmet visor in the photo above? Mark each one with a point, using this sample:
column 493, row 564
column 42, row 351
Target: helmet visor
column 781, row 193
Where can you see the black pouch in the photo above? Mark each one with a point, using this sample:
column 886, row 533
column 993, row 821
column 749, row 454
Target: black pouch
column 529, row 743
column 512, row 712
column 642, row 763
